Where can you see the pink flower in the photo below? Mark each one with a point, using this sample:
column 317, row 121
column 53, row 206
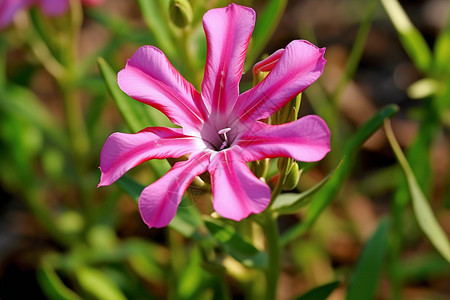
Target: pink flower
column 9, row 8
column 220, row 130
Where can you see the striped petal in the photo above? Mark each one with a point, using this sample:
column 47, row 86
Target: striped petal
column 307, row 139
column 150, row 78
column 296, row 68
column 228, row 31
column 237, row 191
column 159, row 201
column 123, row 151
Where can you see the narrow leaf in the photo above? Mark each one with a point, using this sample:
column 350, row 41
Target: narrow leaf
column 421, row 207
column 320, row 293
column 235, row 245
column 132, row 114
column 442, row 49
column 289, row 203
column 331, row 188
column 153, row 17
column 187, row 221
column 364, row 280
column 52, row 285
column 266, row 24
column 98, row 284
column 21, row 102
column 411, row 38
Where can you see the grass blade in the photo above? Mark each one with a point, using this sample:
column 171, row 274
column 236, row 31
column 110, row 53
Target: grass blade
column 332, row 187
column 365, row 278
column 320, row 293
column 421, row 207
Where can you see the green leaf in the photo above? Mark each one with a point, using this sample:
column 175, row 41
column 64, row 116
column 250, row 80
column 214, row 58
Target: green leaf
column 266, row 23
column 131, row 110
column 411, row 38
column 289, row 203
column 235, row 245
column 191, row 283
column 331, row 188
column 187, row 221
column 52, row 285
column 442, row 49
column 21, row 102
column 134, row 113
column 98, row 284
column 320, row 293
column 359, row 44
column 154, row 18
column 423, row 267
column 364, row 280
column 421, row 207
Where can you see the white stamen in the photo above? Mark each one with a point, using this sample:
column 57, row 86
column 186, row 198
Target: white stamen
column 224, row 132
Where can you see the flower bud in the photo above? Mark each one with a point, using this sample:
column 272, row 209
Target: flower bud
column 181, row 12
column 292, row 178
column 259, row 168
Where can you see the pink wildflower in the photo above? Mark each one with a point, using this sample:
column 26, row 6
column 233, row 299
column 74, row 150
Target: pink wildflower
column 9, row 8
column 220, row 128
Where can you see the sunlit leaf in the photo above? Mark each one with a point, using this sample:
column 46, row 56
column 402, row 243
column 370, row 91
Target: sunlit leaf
column 364, row 281
column 442, row 50
column 422, row 210
column 97, row 284
column 411, row 38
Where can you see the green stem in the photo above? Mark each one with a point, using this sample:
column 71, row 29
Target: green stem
column 272, row 272
column 357, row 50
column 72, row 105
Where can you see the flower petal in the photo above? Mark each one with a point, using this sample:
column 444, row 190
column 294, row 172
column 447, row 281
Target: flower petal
column 150, row 78
column 8, row 9
column 269, row 63
column 159, row 201
column 228, row 31
column 123, row 151
column 54, row 7
column 307, row 139
column 299, row 65
column 237, row 191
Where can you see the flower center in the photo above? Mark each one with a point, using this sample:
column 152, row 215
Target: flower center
column 225, row 138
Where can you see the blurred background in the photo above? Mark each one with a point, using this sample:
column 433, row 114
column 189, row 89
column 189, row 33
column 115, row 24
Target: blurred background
column 60, row 235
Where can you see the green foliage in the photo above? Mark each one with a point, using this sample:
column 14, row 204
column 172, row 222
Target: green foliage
column 364, row 281
column 422, row 210
column 320, row 292
column 331, row 188
column 91, row 244
column 235, row 246
column 52, row 285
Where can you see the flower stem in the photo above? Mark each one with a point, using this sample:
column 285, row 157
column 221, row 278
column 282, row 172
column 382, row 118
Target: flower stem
column 272, row 272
